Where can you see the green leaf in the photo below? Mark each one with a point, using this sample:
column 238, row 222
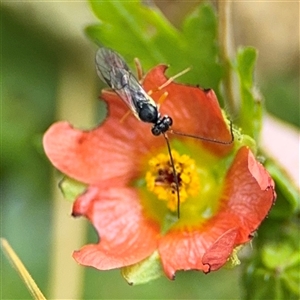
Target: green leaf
column 200, row 32
column 71, row 188
column 288, row 198
column 276, row 255
column 250, row 116
column 136, row 30
column 273, row 272
column 246, row 58
column 292, row 281
column 284, row 259
column 144, row 271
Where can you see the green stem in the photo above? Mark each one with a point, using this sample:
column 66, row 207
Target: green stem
column 21, row 269
column 225, row 45
column 76, row 100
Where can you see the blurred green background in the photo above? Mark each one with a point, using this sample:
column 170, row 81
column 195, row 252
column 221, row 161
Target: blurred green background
column 48, row 74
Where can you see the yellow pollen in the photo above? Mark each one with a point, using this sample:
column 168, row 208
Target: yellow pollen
column 160, row 178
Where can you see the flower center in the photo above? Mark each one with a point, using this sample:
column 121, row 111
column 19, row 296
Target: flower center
column 161, row 181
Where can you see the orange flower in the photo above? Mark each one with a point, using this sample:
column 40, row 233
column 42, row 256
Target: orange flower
column 130, row 198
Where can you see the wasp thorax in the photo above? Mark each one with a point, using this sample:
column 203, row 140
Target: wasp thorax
column 148, row 113
column 162, row 125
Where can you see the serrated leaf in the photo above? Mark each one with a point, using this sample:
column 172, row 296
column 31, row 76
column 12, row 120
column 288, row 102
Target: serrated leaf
column 132, row 29
column 136, row 30
column 200, row 32
column 250, row 116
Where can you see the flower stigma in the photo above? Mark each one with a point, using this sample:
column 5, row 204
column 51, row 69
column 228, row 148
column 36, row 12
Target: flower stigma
column 160, row 178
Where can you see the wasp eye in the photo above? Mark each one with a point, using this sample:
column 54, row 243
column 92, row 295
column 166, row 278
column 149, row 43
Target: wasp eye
column 156, row 131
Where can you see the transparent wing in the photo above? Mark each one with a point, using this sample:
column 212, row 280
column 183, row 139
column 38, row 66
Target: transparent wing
column 112, row 69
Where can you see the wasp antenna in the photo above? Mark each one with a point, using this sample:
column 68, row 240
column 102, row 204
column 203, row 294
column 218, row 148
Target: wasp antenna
column 174, row 174
column 202, row 138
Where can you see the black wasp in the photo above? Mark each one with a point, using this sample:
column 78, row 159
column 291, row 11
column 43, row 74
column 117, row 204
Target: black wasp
column 112, row 69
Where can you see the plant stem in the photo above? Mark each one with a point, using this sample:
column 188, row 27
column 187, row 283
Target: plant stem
column 225, row 44
column 19, row 266
column 76, row 100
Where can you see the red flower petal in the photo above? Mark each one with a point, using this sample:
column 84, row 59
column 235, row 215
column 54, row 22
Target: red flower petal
column 218, row 253
column 246, row 200
column 182, row 250
column 109, row 152
column 193, row 110
column 109, row 157
column 106, row 153
column 248, row 193
column 185, row 250
column 126, row 237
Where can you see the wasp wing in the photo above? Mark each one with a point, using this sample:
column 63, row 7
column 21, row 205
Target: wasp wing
column 112, row 69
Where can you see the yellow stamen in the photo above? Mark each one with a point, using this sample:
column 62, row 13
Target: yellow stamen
column 160, row 178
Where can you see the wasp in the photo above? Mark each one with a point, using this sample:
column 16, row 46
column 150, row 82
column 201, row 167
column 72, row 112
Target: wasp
column 113, row 70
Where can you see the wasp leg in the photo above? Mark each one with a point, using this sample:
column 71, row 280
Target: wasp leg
column 162, row 98
column 171, row 79
column 127, row 114
column 139, row 69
